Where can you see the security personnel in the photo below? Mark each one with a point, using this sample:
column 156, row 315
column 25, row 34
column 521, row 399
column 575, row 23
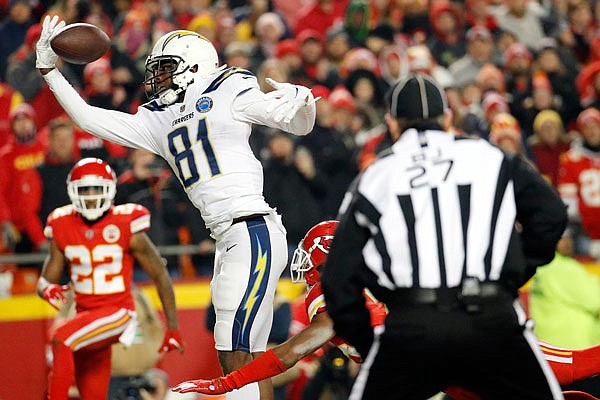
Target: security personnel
column 443, row 230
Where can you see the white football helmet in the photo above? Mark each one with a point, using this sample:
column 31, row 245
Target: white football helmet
column 92, row 186
column 177, row 53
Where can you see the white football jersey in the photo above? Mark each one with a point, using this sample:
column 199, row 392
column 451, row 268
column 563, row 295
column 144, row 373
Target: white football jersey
column 204, row 139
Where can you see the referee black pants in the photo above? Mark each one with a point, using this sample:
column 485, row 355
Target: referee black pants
column 423, row 350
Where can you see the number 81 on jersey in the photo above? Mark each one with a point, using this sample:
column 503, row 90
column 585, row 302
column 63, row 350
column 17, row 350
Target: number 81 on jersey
column 182, row 150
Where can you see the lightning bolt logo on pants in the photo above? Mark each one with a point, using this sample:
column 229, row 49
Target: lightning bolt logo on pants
column 259, row 273
column 258, row 281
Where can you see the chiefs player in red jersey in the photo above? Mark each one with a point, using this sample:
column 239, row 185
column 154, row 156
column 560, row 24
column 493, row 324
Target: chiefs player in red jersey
column 579, row 178
column 568, row 365
column 309, row 256
column 99, row 242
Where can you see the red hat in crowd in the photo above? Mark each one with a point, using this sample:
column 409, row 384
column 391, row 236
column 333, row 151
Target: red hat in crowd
column 586, row 116
column 97, row 67
column 20, row 110
column 321, row 91
column 340, row 97
column 308, row 34
column 505, row 126
column 517, row 50
column 285, row 47
column 494, row 101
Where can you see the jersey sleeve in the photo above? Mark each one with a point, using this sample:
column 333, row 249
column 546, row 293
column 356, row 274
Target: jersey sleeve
column 49, row 228
column 315, row 301
column 115, row 126
column 140, row 216
column 251, row 105
column 54, row 219
column 567, row 185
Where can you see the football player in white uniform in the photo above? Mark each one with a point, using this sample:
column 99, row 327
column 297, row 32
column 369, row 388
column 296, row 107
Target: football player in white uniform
column 199, row 119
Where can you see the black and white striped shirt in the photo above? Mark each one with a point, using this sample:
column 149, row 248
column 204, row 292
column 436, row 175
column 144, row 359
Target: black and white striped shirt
column 433, row 210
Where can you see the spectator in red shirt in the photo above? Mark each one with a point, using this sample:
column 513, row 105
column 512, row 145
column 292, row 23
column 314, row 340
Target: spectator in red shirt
column 9, row 99
column 320, row 15
column 548, row 142
column 19, row 206
column 579, row 182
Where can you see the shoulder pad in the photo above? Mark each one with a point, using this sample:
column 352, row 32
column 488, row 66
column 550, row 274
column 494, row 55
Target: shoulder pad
column 130, row 209
column 153, row 106
column 214, row 85
column 137, row 215
column 61, row 212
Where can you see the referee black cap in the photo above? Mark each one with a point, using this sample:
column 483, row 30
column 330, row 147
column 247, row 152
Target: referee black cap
column 416, row 97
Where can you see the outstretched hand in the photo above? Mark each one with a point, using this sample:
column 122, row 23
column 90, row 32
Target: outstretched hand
column 291, row 99
column 45, row 56
column 53, row 294
column 205, row 386
column 171, row 341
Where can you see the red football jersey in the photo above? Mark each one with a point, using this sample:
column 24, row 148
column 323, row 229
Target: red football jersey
column 315, row 304
column 579, row 177
column 100, row 264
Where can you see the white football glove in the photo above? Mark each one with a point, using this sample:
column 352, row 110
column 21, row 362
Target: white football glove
column 45, row 56
column 291, row 99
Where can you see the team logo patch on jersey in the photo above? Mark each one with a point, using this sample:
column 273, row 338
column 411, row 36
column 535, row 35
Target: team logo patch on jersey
column 111, row 233
column 204, row 104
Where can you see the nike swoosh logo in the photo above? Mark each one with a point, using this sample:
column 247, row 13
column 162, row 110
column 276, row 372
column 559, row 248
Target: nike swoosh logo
column 230, row 247
column 246, row 77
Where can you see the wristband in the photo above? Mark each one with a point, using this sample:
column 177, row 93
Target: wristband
column 42, row 284
column 263, row 367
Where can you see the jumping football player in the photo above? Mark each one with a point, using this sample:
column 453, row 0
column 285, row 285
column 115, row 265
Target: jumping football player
column 99, row 242
column 199, row 119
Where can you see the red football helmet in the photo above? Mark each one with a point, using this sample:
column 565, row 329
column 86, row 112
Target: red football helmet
column 312, row 252
column 92, row 185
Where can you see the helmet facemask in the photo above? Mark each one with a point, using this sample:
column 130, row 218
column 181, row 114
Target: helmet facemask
column 300, row 264
column 183, row 57
column 91, row 195
column 163, row 68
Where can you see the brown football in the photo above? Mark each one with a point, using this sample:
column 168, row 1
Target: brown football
column 80, row 43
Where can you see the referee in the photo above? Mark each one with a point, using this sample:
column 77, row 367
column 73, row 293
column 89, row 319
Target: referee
column 444, row 230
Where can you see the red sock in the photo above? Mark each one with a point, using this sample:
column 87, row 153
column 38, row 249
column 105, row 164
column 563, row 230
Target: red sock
column 93, row 372
column 264, row 366
column 62, row 372
column 586, row 362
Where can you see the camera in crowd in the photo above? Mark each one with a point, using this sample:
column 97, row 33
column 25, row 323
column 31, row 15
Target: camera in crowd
column 130, row 389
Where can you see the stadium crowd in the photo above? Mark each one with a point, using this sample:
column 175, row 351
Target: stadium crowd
column 520, row 73
column 523, row 74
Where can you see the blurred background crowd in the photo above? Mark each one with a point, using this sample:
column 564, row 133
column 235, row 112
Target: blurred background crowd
column 523, row 74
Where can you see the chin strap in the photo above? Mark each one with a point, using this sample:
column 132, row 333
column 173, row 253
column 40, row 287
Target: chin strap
column 170, row 96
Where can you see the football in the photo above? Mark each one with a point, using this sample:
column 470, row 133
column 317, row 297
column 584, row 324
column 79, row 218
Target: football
column 80, row 43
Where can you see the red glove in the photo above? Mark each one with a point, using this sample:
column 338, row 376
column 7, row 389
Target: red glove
column 265, row 366
column 53, row 294
column 172, row 341
column 219, row 385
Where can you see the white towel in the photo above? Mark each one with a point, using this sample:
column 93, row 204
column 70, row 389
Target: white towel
column 128, row 334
